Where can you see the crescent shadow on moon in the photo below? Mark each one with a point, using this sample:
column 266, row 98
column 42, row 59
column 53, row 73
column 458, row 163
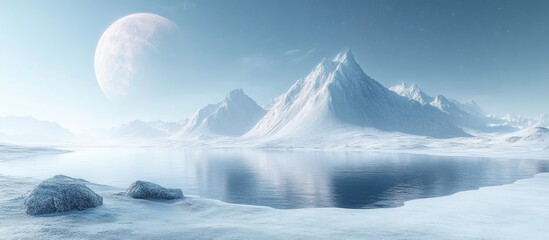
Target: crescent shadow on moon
column 120, row 45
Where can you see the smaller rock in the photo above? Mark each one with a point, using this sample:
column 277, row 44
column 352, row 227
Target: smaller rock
column 61, row 194
column 148, row 190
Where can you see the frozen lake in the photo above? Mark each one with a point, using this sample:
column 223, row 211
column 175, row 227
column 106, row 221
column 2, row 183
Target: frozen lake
column 283, row 179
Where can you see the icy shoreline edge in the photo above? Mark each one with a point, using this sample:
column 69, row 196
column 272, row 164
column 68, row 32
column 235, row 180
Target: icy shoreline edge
column 517, row 210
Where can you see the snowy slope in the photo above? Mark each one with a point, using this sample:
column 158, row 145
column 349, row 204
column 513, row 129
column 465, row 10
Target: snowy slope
column 412, row 92
column 543, row 120
column 232, row 116
column 31, row 130
column 470, row 107
column 531, row 135
column 338, row 93
column 459, row 116
column 267, row 106
column 444, row 105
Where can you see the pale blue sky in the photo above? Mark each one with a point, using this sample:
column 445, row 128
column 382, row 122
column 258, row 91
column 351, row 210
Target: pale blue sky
column 495, row 52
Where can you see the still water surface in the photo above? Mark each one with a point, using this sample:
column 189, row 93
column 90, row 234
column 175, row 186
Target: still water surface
column 283, row 179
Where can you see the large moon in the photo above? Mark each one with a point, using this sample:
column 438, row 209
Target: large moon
column 123, row 45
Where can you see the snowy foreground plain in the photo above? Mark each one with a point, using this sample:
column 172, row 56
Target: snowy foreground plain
column 514, row 211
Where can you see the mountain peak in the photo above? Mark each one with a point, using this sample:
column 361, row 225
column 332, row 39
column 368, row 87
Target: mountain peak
column 541, row 130
column 442, row 103
column 407, row 87
column 402, row 85
column 236, row 96
column 412, row 92
column 236, row 93
column 232, row 116
column 442, row 98
column 345, row 57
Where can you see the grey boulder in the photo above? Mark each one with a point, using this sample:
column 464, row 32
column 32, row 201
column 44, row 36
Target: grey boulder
column 148, row 190
column 61, row 194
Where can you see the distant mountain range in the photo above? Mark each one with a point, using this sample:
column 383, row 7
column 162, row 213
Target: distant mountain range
column 336, row 96
column 468, row 116
column 522, row 122
column 30, row 130
column 413, row 92
column 138, row 129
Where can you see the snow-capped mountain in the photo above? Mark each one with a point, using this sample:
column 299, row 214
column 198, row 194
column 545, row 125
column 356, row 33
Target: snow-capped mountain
column 232, row 116
column 466, row 115
column 461, row 117
column 18, row 129
column 336, row 94
column 413, row 92
column 444, row 105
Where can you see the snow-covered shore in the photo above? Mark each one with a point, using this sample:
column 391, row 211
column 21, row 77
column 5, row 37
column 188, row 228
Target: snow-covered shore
column 10, row 151
column 515, row 211
column 526, row 144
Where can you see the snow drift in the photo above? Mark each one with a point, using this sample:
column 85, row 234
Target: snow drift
column 532, row 135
